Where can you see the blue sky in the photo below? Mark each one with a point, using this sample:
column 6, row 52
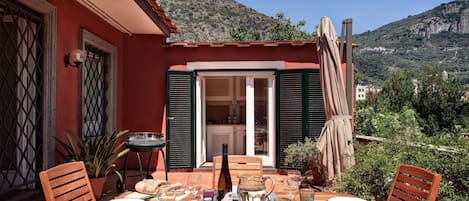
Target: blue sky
column 366, row 14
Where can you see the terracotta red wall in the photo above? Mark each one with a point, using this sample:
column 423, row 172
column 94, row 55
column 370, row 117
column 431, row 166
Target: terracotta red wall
column 71, row 17
column 288, row 53
column 144, row 83
column 147, row 61
column 144, row 88
column 145, row 73
column 142, row 64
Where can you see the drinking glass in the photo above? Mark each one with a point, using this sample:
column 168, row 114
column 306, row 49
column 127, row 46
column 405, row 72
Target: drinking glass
column 193, row 184
column 306, row 194
column 293, row 183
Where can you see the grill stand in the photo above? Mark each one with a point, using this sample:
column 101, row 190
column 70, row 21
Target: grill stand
column 151, row 149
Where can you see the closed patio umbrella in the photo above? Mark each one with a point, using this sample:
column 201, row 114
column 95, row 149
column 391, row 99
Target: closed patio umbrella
column 335, row 141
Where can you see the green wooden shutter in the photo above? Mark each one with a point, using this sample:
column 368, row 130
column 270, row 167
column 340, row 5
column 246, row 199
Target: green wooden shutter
column 316, row 113
column 180, row 121
column 300, row 110
column 289, row 111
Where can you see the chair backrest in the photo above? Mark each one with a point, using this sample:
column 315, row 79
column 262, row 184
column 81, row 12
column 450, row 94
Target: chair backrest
column 68, row 181
column 414, row 183
column 239, row 165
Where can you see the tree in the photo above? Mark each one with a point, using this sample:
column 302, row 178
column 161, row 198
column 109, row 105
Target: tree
column 438, row 102
column 285, row 30
column 357, row 76
column 244, row 34
column 398, row 91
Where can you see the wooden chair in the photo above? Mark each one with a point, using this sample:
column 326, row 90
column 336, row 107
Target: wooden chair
column 238, row 164
column 414, row 183
column 68, row 181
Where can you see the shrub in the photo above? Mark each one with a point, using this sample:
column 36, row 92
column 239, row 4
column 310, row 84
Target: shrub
column 438, row 102
column 373, row 173
column 304, row 156
column 299, row 155
column 387, row 124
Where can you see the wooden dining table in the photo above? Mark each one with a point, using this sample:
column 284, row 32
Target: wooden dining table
column 318, row 196
column 282, row 196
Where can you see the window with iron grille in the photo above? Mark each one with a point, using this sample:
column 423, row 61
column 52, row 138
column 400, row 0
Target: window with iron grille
column 94, row 86
column 21, row 92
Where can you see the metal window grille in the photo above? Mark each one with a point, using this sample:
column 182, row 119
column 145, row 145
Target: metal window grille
column 94, row 88
column 21, row 88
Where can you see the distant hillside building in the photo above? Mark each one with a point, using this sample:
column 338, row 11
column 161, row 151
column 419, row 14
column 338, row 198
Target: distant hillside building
column 361, row 91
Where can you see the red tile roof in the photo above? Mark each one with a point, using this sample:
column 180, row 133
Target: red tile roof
column 160, row 12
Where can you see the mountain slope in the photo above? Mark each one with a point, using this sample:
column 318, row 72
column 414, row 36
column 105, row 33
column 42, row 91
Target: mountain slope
column 211, row 20
column 438, row 36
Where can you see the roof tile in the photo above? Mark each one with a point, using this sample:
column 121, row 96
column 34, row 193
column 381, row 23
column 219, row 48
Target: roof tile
column 160, row 12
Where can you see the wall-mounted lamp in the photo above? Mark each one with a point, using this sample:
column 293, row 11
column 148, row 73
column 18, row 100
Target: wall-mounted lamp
column 74, row 59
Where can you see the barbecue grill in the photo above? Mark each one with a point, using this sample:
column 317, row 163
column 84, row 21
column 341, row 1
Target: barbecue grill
column 145, row 142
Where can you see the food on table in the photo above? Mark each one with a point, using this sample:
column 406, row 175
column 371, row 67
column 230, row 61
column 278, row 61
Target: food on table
column 163, row 187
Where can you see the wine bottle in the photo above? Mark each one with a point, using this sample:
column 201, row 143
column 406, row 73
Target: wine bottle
column 224, row 180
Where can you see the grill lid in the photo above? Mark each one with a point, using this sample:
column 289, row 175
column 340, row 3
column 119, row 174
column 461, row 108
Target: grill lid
column 147, row 139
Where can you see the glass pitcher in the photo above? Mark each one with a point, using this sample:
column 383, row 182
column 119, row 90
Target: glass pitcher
column 253, row 188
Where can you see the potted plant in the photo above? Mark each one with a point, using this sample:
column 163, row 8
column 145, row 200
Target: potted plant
column 305, row 156
column 98, row 153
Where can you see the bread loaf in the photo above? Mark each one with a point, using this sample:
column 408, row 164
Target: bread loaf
column 172, row 189
column 163, row 187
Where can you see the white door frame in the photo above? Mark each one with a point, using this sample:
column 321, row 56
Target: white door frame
column 268, row 160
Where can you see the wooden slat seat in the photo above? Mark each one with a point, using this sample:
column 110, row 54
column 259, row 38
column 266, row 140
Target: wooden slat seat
column 414, row 183
column 239, row 165
column 68, row 181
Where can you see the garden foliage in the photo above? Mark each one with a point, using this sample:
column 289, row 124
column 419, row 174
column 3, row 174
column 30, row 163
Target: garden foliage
column 419, row 116
column 376, row 164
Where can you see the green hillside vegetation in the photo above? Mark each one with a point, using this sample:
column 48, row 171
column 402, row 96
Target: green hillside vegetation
column 227, row 20
column 422, row 128
column 410, row 43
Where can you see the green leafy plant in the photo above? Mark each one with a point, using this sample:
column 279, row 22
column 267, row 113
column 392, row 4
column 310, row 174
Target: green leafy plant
column 438, row 102
column 376, row 164
column 98, row 153
column 305, row 156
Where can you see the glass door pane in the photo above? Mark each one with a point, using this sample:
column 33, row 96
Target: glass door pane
column 261, row 140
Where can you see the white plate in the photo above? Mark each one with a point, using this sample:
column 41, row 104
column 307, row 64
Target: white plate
column 127, row 199
column 345, row 199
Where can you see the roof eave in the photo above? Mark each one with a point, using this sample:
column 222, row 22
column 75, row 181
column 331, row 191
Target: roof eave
column 149, row 9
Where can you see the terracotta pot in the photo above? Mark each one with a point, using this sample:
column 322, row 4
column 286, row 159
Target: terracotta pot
column 97, row 184
column 314, row 177
column 318, row 178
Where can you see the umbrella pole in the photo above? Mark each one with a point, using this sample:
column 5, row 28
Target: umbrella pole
column 349, row 70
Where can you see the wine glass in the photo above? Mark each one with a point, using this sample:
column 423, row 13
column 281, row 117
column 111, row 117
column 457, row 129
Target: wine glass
column 193, row 184
column 293, row 183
